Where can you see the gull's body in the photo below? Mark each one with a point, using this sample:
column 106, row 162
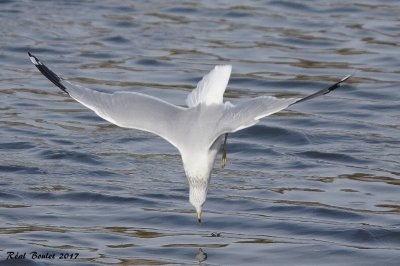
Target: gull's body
column 196, row 131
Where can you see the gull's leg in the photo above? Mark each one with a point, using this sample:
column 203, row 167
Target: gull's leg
column 224, row 159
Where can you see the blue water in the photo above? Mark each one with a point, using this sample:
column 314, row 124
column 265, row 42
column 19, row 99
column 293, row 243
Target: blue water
column 317, row 184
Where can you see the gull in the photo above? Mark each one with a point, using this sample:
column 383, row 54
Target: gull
column 197, row 131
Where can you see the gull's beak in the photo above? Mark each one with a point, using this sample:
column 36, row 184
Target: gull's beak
column 199, row 216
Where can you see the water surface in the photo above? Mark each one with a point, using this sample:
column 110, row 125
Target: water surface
column 314, row 185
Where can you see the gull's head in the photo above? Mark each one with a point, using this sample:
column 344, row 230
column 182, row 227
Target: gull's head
column 198, row 166
column 197, row 194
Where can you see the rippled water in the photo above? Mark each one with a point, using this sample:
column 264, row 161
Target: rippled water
column 314, row 185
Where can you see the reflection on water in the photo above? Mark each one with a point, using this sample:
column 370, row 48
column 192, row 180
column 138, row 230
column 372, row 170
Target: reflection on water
column 310, row 185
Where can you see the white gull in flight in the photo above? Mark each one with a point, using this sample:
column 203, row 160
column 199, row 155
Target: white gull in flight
column 196, row 131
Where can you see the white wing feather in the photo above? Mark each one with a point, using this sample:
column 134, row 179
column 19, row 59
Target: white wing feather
column 125, row 109
column 139, row 111
column 131, row 110
column 248, row 113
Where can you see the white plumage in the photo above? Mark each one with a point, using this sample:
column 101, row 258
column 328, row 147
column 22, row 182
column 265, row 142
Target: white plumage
column 210, row 90
column 195, row 131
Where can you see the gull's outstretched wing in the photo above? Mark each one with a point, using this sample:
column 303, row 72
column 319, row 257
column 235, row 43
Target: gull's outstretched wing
column 324, row 91
column 248, row 113
column 125, row 109
column 210, row 90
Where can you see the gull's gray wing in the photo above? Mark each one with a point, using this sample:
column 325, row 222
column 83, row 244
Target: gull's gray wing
column 125, row 109
column 248, row 113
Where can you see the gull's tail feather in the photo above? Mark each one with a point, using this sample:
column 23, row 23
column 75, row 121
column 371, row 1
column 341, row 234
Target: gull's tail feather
column 53, row 77
column 210, row 90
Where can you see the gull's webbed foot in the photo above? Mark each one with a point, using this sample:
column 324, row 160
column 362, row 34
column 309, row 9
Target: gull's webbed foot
column 224, row 158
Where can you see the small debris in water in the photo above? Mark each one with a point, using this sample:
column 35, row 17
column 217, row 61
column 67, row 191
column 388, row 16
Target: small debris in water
column 201, row 255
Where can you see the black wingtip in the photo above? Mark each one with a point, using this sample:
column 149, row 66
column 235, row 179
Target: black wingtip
column 324, row 91
column 34, row 59
column 337, row 84
column 345, row 78
column 50, row 75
